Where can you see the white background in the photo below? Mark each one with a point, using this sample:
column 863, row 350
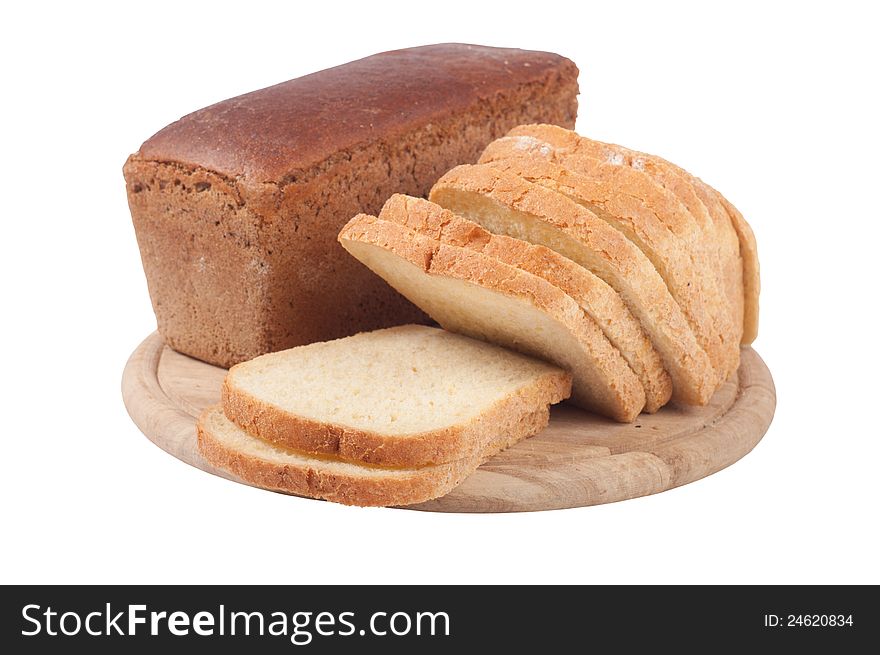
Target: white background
column 773, row 103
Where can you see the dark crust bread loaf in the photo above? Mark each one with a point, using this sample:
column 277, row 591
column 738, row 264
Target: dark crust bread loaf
column 237, row 206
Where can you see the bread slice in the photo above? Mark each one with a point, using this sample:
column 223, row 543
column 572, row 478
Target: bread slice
column 748, row 248
column 263, row 464
column 594, row 296
column 504, row 203
column 407, row 396
column 684, row 255
column 480, row 296
column 734, row 237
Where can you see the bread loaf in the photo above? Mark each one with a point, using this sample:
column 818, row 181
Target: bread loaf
column 237, row 206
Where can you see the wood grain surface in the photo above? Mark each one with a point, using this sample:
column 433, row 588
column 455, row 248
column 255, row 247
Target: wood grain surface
column 579, row 460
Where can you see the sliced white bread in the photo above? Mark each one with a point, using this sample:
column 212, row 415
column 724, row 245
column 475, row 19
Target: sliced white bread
column 480, row 296
column 661, row 226
column 263, row 464
column 595, row 296
column 735, row 239
column 407, row 396
column 504, row 203
column 701, row 202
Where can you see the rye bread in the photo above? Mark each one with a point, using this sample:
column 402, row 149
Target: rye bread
column 236, row 207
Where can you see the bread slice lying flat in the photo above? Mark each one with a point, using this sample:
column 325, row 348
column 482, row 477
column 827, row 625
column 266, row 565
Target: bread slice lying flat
column 480, row 296
column 733, row 235
column 506, row 204
column 602, row 303
column 408, row 396
column 270, row 466
column 684, row 255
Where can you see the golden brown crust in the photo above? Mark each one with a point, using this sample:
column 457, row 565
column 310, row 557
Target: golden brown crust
column 645, row 207
column 319, row 479
column 277, row 426
column 613, row 390
column 595, row 297
column 618, row 261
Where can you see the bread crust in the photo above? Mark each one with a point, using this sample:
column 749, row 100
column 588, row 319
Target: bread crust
column 285, row 133
column 595, row 297
column 624, row 267
column 612, row 389
column 318, row 479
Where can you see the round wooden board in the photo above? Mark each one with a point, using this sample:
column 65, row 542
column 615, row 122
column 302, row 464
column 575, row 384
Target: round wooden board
column 578, row 460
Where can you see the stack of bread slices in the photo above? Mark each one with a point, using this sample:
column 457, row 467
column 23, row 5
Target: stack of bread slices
column 391, row 417
column 618, row 267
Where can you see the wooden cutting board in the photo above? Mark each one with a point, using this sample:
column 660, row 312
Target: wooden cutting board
column 578, row 460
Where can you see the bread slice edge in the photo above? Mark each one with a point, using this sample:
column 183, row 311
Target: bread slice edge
column 226, row 446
